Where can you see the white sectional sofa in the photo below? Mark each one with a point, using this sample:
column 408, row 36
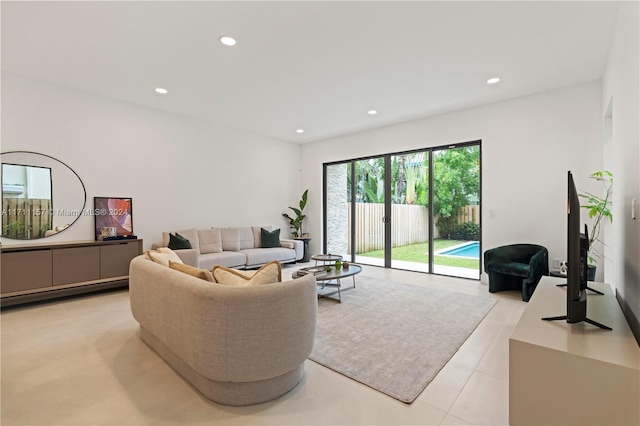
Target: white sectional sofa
column 233, row 247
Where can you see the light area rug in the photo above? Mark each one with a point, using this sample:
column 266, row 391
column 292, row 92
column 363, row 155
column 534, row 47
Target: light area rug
column 394, row 337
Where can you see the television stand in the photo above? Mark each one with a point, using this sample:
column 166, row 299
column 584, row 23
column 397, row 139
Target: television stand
column 588, row 288
column 573, row 374
column 587, row 320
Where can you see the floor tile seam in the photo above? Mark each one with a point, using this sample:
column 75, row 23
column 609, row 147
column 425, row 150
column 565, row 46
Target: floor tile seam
column 458, row 396
column 462, row 390
column 425, row 403
column 457, row 417
column 484, row 355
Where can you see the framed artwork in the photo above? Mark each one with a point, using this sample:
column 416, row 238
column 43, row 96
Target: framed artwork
column 113, row 217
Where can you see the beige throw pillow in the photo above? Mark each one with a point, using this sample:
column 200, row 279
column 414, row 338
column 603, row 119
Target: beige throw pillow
column 191, row 270
column 267, row 274
column 163, row 257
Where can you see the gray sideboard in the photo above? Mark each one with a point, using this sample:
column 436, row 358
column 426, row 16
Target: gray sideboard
column 43, row 271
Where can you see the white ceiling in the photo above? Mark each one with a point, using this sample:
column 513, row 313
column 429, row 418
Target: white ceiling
column 319, row 66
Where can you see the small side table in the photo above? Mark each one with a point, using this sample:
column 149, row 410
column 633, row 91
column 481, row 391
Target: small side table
column 305, row 257
column 326, row 259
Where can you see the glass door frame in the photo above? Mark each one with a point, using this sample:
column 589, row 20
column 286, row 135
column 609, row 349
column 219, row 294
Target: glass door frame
column 387, row 205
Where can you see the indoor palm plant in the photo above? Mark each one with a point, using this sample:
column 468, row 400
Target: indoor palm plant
column 295, row 223
column 598, row 208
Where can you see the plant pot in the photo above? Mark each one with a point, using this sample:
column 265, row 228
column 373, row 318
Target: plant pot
column 591, row 272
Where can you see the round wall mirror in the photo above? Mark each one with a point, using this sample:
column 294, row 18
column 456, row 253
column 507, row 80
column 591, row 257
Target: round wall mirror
column 41, row 195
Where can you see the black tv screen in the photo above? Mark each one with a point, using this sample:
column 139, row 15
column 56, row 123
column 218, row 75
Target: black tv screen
column 577, row 248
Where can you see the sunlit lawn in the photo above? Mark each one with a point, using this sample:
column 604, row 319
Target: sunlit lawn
column 419, row 253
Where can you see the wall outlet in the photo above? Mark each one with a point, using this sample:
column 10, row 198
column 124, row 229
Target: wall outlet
column 557, row 263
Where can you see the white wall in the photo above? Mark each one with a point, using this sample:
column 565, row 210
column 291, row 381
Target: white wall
column 528, row 144
column 621, row 90
column 181, row 172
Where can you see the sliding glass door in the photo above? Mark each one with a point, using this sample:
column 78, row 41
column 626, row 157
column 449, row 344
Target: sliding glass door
column 456, row 209
column 417, row 210
column 410, row 211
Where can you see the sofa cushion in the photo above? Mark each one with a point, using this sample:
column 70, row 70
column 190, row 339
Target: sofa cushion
column 190, row 234
column 190, row 270
column 230, row 259
column 264, row 255
column 269, row 273
column 257, row 235
column 246, row 238
column 210, row 240
column 230, row 239
column 162, row 257
column 269, row 239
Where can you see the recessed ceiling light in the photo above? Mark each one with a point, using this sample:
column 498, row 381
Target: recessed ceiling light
column 300, row 131
column 372, row 112
column 161, row 90
column 228, row 41
column 493, row 80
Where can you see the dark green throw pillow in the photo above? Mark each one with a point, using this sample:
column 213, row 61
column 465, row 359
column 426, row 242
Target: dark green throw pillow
column 270, row 238
column 178, row 242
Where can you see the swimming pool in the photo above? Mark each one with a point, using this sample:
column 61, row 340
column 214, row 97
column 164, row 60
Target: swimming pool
column 470, row 250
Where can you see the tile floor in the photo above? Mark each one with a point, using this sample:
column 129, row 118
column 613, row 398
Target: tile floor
column 79, row 361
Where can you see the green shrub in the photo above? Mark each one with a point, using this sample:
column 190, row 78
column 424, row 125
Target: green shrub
column 469, row 231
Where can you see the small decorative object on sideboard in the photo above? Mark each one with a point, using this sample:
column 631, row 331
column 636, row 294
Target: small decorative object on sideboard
column 563, row 268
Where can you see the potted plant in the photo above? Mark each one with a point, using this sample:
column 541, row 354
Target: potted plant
column 598, row 209
column 295, row 223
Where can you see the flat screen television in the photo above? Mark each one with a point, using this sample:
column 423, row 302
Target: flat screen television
column 577, row 249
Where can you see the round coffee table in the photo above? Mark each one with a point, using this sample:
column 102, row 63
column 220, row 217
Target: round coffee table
column 326, row 279
column 326, row 259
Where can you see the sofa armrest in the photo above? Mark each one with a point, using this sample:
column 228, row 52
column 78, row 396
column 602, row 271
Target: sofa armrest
column 538, row 265
column 297, row 245
column 188, row 256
